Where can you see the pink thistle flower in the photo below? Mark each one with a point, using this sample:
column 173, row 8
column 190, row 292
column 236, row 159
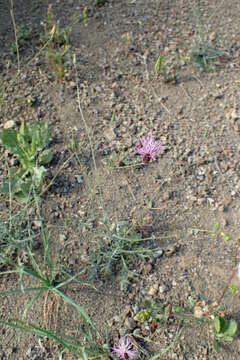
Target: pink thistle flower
column 149, row 148
column 124, row 349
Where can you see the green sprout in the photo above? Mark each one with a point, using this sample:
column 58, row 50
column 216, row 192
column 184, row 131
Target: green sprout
column 29, row 144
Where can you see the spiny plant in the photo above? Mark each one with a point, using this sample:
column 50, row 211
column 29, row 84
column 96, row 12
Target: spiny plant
column 29, row 144
column 118, row 246
column 15, row 237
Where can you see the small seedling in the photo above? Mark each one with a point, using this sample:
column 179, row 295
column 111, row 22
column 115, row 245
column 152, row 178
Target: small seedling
column 233, row 288
column 216, row 227
column 53, row 33
column 119, row 244
column 15, row 238
column 226, row 237
column 58, row 43
column 203, row 54
column 85, row 17
column 24, row 33
column 159, row 65
column 167, row 72
column 29, row 145
column 225, row 330
column 57, row 61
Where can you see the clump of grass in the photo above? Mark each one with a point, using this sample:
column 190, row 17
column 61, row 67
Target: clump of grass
column 86, row 349
column 204, row 55
column 119, row 245
column 50, row 278
column 29, row 144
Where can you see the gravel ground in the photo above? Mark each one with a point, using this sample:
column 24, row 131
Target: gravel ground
column 178, row 199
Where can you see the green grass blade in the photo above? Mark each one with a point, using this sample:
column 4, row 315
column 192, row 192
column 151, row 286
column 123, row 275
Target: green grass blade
column 78, row 307
column 34, row 263
column 27, row 308
column 33, row 329
column 70, row 279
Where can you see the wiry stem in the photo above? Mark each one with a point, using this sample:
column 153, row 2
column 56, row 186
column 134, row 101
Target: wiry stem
column 15, row 34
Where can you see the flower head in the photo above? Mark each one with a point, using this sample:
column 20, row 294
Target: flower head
column 149, row 148
column 124, row 349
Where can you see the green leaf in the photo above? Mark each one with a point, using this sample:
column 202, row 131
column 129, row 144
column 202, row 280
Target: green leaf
column 227, row 338
column 217, row 324
column 10, row 141
column 226, row 237
column 178, row 309
column 233, row 288
column 221, row 325
column 39, row 173
column 45, row 157
column 232, row 328
column 23, row 131
column 216, row 346
column 78, row 307
column 216, row 227
column 158, row 66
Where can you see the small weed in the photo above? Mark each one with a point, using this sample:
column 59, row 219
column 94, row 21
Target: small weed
column 169, row 73
column 203, row 53
column 154, row 314
column 57, row 61
column 24, row 33
column 58, row 44
column 204, row 56
column 85, row 17
column 225, row 331
column 119, row 245
column 29, row 144
column 15, row 238
column 53, row 33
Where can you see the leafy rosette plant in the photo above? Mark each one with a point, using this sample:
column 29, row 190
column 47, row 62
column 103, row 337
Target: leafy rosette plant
column 29, row 144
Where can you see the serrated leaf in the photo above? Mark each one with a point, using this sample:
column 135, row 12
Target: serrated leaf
column 45, row 157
